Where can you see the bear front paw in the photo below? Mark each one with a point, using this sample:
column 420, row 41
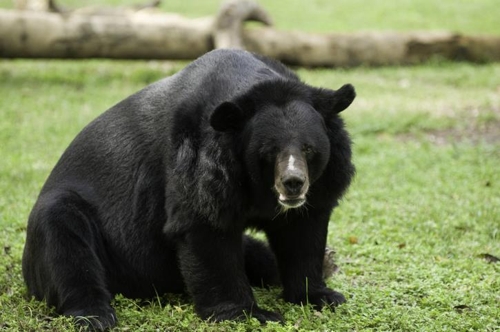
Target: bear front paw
column 238, row 313
column 264, row 316
column 317, row 298
column 95, row 318
column 326, row 297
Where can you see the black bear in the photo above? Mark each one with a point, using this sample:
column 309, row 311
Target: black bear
column 154, row 196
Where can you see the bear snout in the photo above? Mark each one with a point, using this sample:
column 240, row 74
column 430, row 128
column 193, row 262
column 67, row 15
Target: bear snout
column 291, row 179
column 293, row 184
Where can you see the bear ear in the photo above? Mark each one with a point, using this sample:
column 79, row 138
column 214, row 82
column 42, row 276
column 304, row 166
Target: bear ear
column 330, row 101
column 227, row 117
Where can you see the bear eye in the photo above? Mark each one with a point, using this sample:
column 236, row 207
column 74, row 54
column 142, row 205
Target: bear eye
column 308, row 150
column 268, row 152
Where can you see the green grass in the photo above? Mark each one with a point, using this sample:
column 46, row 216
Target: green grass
column 409, row 234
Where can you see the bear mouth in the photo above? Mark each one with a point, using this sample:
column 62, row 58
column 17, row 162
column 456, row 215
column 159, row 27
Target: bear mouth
column 291, row 203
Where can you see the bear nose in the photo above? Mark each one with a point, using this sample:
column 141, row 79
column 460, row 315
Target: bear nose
column 293, row 184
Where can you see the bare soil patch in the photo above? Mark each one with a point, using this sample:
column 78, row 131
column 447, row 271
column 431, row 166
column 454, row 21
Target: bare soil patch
column 473, row 131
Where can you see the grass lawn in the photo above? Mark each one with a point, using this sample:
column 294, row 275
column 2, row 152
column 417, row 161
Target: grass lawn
column 411, row 234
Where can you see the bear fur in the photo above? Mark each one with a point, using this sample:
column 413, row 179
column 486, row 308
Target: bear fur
column 154, row 196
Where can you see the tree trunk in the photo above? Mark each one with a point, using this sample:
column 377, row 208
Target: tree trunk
column 145, row 35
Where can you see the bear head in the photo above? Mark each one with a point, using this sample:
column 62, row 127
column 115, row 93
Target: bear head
column 282, row 129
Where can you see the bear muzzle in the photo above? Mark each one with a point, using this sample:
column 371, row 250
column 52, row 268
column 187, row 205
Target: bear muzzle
column 291, row 180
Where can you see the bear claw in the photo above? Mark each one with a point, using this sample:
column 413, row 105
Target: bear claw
column 94, row 319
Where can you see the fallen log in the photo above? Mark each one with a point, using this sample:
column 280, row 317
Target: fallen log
column 145, row 35
column 121, row 33
column 33, row 34
column 370, row 48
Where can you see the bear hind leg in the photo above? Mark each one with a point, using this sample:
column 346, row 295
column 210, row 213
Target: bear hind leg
column 63, row 260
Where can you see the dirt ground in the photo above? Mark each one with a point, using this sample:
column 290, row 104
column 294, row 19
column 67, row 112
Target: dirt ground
column 475, row 131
